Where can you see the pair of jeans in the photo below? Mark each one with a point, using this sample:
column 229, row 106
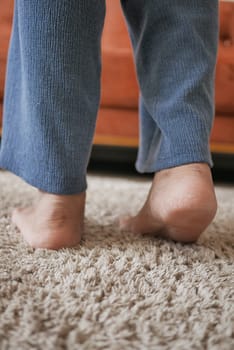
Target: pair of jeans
column 52, row 89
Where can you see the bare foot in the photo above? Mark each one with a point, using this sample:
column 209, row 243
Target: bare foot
column 180, row 205
column 54, row 222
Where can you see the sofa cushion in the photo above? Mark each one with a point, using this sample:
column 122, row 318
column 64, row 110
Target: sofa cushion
column 225, row 65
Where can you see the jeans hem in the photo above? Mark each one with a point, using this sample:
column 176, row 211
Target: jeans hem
column 64, row 187
column 171, row 162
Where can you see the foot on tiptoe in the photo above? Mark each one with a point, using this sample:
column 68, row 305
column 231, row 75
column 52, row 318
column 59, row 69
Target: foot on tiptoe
column 53, row 222
column 180, row 205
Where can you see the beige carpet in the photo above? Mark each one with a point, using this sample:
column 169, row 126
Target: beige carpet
column 116, row 291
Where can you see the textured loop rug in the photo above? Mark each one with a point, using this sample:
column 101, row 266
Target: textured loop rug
column 116, row 291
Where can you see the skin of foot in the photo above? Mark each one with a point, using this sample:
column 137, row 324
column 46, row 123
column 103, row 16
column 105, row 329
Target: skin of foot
column 180, row 205
column 53, row 222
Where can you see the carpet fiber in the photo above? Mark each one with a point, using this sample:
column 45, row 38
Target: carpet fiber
column 116, row 291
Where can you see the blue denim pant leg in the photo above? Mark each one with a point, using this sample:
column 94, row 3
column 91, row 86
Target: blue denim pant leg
column 52, row 92
column 175, row 46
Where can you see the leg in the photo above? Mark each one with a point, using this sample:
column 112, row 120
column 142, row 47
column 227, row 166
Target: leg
column 175, row 46
column 51, row 100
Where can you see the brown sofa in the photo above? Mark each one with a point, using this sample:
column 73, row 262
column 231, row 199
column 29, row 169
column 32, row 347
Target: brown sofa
column 117, row 123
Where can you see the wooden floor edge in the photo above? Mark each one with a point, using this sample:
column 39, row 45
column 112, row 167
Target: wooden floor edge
column 217, row 147
column 108, row 140
column 119, row 141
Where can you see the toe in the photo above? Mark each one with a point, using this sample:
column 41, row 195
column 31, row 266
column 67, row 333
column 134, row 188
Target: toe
column 131, row 224
column 125, row 222
column 18, row 215
column 142, row 223
column 15, row 216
